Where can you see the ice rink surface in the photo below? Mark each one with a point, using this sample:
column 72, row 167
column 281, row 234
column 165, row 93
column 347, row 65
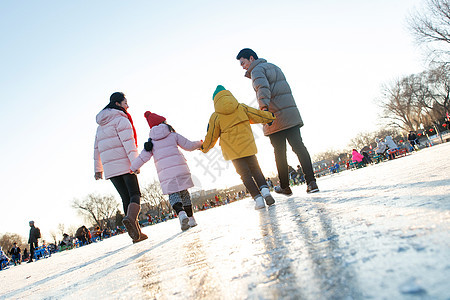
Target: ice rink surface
column 380, row 232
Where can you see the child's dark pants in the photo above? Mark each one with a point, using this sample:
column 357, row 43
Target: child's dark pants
column 251, row 175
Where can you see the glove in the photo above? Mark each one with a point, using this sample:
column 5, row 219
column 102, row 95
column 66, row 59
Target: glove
column 98, row 175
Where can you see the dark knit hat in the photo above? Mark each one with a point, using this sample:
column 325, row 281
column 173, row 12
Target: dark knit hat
column 218, row 89
column 153, row 119
column 117, row 97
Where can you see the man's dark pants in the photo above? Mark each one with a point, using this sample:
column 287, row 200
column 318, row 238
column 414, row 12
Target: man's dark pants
column 33, row 246
column 278, row 141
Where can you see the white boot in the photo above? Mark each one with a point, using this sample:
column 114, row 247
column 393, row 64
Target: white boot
column 265, row 192
column 182, row 216
column 192, row 222
column 259, row 202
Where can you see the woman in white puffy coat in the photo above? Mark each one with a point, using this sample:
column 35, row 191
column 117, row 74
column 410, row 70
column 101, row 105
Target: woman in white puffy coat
column 114, row 150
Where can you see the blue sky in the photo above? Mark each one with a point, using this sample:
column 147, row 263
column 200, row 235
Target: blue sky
column 62, row 60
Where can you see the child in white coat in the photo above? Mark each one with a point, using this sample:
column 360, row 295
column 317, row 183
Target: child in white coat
column 173, row 172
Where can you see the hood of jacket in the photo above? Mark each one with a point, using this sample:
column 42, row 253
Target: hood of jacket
column 225, row 103
column 107, row 115
column 159, row 132
column 248, row 74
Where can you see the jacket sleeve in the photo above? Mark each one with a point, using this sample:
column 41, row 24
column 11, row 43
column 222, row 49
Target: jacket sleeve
column 186, row 144
column 212, row 134
column 257, row 116
column 261, row 87
column 125, row 133
column 144, row 157
column 98, row 166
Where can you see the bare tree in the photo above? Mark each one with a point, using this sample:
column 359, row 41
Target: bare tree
column 383, row 132
column 417, row 99
column 400, row 108
column 96, row 209
column 361, row 140
column 432, row 28
column 439, row 85
column 330, row 154
column 53, row 235
column 61, row 229
column 7, row 241
column 72, row 230
column 152, row 197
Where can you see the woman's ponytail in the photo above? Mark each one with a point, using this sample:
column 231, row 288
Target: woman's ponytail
column 170, row 128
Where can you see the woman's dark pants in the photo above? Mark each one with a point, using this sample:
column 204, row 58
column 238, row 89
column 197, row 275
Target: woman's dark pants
column 127, row 186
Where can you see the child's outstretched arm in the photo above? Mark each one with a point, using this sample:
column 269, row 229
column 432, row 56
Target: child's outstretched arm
column 186, row 144
column 140, row 160
column 212, row 134
column 257, row 116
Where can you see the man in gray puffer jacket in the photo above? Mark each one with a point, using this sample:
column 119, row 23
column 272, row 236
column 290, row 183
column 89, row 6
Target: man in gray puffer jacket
column 274, row 94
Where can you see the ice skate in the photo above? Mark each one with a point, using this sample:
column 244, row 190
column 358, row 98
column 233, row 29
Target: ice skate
column 286, row 191
column 192, row 222
column 312, row 187
column 259, row 202
column 265, row 192
column 184, row 220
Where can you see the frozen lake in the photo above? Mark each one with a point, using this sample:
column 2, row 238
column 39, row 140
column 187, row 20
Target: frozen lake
column 381, row 232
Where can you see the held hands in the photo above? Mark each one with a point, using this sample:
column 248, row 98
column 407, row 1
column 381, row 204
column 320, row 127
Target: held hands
column 270, row 123
column 201, row 146
column 265, row 108
column 98, row 175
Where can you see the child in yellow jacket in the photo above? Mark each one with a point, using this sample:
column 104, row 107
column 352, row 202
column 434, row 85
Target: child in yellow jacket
column 231, row 122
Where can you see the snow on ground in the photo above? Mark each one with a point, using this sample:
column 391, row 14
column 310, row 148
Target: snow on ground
column 381, row 232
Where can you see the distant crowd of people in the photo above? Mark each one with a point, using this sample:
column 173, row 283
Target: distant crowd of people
column 220, row 200
column 386, row 149
column 83, row 236
column 16, row 256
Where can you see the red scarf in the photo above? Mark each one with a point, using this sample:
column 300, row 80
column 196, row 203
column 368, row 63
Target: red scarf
column 132, row 125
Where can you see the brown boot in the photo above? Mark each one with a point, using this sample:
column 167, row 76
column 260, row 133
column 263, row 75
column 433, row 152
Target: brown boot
column 129, row 221
column 142, row 236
